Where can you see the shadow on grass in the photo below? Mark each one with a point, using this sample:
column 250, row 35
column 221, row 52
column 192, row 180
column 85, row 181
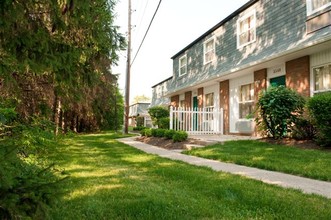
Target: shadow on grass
column 110, row 180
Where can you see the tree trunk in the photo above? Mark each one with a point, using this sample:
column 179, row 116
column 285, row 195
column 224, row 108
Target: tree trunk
column 56, row 113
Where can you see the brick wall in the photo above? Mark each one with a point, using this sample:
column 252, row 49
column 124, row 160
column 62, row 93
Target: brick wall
column 175, row 101
column 224, row 103
column 188, row 99
column 260, row 82
column 297, row 75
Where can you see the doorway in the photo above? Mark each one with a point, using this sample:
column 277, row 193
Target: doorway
column 278, row 81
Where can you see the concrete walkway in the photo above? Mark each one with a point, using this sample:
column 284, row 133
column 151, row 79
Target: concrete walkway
column 285, row 180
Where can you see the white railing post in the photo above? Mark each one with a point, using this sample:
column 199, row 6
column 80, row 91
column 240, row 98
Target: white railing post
column 197, row 121
column 171, row 117
column 222, row 121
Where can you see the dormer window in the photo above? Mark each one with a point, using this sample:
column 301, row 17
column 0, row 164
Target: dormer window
column 183, row 65
column 246, row 29
column 209, row 51
column 314, row 6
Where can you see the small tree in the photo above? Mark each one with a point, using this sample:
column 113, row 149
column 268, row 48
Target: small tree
column 278, row 109
column 158, row 115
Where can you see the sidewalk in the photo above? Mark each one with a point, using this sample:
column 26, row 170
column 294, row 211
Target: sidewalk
column 285, row 180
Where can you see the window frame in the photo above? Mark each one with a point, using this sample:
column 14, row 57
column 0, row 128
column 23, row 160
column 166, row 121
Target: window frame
column 205, row 52
column 212, row 100
column 314, row 79
column 241, row 19
column 180, row 65
column 310, row 10
column 250, row 101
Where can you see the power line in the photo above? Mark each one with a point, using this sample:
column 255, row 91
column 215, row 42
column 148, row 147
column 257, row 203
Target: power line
column 146, row 32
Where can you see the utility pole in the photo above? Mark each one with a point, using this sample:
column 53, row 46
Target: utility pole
column 128, row 70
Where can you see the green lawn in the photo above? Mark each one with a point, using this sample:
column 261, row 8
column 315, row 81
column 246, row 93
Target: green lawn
column 110, row 180
column 303, row 162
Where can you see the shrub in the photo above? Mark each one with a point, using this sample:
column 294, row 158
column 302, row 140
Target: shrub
column 158, row 112
column 139, row 128
column 28, row 183
column 303, row 129
column 169, row 134
column 319, row 108
column 158, row 132
column 179, row 136
column 164, row 123
column 279, row 108
column 146, row 132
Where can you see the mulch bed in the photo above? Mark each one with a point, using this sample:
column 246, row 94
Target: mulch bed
column 168, row 143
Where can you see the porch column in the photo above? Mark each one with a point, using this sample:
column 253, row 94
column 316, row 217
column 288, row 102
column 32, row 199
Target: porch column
column 298, row 75
column 224, row 103
column 260, row 83
column 175, row 101
column 188, row 99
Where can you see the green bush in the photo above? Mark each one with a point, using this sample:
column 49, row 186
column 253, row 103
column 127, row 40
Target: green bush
column 158, row 132
column 146, row 132
column 179, row 136
column 279, row 108
column 164, row 123
column 28, row 183
column 139, row 128
column 304, row 129
column 157, row 113
column 319, row 108
column 169, row 134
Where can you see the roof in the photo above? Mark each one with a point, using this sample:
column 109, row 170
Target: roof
column 162, row 82
column 141, row 103
column 238, row 11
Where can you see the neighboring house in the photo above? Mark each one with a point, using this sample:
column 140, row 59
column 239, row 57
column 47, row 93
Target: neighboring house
column 139, row 110
column 159, row 91
column 263, row 43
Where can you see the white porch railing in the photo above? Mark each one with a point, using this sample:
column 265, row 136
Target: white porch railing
column 197, row 121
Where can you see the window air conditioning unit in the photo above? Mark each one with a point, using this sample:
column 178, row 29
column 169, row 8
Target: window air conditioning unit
column 245, row 126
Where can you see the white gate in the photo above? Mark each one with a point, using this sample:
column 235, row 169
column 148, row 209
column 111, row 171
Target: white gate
column 197, row 121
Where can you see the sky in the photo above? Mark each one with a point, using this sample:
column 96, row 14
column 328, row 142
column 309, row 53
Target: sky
column 176, row 24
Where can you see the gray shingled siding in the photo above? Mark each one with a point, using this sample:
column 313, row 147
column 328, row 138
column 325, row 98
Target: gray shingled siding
column 281, row 26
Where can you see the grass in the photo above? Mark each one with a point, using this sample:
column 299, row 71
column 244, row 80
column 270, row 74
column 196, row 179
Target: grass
column 110, row 180
column 310, row 163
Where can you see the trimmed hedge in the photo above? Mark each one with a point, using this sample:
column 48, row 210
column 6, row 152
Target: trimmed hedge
column 179, row 136
column 169, row 134
column 158, row 132
column 176, row 136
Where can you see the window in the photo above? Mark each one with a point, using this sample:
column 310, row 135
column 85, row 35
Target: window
column 209, row 51
column 182, row 65
column 322, row 78
column 182, row 103
column 317, row 5
column 209, row 106
column 209, row 100
column 246, row 100
column 246, row 29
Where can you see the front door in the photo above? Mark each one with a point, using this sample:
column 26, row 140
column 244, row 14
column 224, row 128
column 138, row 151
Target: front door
column 278, row 81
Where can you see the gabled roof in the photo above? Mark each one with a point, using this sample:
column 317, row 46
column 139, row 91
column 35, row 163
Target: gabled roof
column 238, row 11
